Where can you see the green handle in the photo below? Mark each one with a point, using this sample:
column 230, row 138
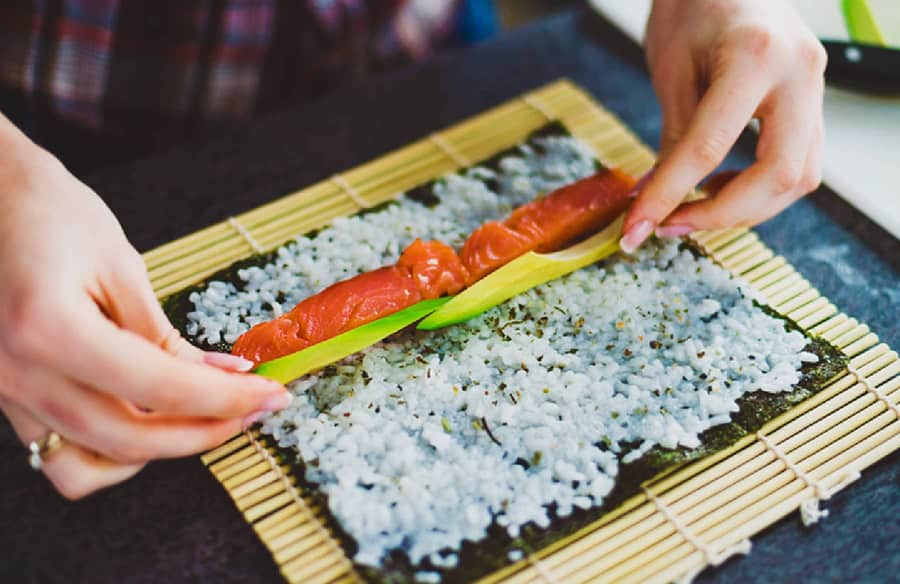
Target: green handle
column 861, row 22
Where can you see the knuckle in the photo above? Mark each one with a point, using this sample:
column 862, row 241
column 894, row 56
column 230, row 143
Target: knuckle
column 169, row 398
column 813, row 56
column 672, row 135
column 787, row 177
column 239, row 403
column 670, row 199
column 710, row 150
column 810, row 182
column 25, row 327
column 756, row 41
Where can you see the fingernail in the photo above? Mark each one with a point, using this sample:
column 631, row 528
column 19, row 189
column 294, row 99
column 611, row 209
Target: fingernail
column 252, row 419
column 673, row 230
column 227, row 361
column 279, row 401
column 641, row 183
column 636, row 235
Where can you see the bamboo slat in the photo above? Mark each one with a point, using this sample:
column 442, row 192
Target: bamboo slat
column 686, row 519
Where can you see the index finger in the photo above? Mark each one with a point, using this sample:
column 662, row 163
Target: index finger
column 122, row 363
column 721, row 116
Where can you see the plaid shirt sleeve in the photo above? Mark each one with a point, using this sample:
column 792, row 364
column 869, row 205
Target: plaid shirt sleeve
column 119, row 66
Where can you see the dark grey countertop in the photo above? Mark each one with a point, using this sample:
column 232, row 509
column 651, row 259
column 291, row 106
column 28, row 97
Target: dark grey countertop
column 173, row 522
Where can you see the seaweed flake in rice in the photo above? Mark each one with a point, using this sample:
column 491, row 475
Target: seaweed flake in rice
column 419, row 441
column 428, row 440
column 221, row 312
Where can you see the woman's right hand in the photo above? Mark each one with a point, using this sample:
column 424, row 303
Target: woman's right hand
column 86, row 350
column 715, row 64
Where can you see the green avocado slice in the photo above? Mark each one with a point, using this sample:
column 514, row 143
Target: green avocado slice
column 523, row 273
column 295, row 365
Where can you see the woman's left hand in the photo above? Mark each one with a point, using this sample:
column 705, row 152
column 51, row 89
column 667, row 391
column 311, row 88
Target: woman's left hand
column 715, row 65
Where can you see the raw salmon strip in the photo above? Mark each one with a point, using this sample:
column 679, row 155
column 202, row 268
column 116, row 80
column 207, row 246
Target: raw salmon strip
column 491, row 246
column 548, row 223
column 424, row 270
column 432, row 269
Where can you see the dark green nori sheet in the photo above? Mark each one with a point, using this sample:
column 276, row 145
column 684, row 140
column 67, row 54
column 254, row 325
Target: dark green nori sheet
column 178, row 305
column 479, row 559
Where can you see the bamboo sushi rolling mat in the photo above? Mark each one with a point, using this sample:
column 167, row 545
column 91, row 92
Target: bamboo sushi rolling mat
column 697, row 516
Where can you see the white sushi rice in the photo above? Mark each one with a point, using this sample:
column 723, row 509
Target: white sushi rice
column 351, row 245
column 646, row 352
column 421, row 442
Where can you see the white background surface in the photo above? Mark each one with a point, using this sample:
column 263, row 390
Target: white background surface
column 862, row 146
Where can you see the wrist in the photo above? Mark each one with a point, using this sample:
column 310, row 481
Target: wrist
column 19, row 154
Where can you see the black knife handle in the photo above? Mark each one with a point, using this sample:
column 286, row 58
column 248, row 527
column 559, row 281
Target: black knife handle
column 861, row 66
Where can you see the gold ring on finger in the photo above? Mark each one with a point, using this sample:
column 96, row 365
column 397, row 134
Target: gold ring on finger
column 39, row 450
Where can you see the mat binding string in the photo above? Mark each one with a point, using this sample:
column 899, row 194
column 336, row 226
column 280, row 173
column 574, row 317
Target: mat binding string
column 831, row 435
column 245, row 233
column 297, row 499
column 541, row 570
column 711, row 556
column 449, row 150
column 536, row 104
column 810, row 511
column 871, row 388
column 351, row 192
